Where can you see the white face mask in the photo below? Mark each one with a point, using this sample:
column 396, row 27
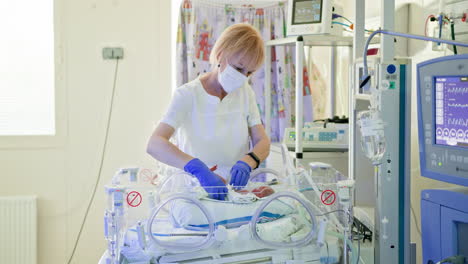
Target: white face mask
column 230, row 79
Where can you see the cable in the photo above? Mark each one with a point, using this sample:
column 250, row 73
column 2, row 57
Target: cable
column 398, row 34
column 335, row 211
column 328, row 250
column 452, row 29
column 415, row 220
column 350, row 26
column 440, row 27
column 358, row 251
column 425, row 24
column 343, row 24
column 340, row 16
column 101, row 163
column 351, row 246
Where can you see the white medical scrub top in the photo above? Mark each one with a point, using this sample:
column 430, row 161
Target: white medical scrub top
column 213, row 130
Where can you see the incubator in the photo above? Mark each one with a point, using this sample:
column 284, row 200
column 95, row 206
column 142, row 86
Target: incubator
column 300, row 214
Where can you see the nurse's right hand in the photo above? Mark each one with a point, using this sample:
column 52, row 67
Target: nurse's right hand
column 213, row 184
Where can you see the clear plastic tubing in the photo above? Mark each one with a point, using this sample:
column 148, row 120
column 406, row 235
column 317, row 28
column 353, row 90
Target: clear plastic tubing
column 355, row 257
column 182, row 246
column 259, row 171
column 271, row 244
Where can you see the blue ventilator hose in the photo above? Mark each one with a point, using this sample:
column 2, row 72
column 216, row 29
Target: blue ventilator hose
column 404, row 35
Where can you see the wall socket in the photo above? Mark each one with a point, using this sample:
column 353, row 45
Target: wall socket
column 114, row 53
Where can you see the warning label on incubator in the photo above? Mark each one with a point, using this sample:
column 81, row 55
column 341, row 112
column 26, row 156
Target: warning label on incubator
column 134, row 199
column 146, row 175
column 328, row 197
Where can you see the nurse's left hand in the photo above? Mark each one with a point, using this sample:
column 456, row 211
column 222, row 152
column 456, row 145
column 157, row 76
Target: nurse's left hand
column 240, row 174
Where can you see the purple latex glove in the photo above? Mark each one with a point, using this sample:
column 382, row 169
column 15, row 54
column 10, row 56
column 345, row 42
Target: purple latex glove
column 213, row 184
column 240, row 174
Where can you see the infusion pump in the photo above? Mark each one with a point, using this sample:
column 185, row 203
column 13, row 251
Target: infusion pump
column 320, row 137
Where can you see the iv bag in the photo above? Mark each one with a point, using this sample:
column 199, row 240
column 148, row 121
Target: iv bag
column 372, row 134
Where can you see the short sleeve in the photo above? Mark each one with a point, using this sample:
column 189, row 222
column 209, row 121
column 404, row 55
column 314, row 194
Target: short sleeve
column 179, row 108
column 253, row 115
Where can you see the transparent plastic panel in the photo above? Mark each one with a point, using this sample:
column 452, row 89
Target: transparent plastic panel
column 185, row 228
column 282, row 221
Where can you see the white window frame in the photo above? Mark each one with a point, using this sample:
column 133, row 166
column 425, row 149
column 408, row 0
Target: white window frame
column 61, row 110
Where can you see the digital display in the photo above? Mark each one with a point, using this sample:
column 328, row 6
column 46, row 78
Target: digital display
column 307, row 12
column 451, row 110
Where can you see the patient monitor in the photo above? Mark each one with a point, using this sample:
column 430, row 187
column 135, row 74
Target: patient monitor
column 443, row 118
column 443, row 144
column 311, row 17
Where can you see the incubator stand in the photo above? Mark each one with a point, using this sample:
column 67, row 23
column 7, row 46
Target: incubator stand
column 171, row 219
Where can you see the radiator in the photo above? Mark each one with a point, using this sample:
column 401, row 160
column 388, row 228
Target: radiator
column 18, row 230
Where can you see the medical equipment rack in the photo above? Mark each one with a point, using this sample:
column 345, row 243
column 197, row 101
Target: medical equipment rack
column 300, row 42
column 394, row 248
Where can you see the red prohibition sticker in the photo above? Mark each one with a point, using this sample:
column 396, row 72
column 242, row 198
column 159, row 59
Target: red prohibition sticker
column 134, row 199
column 328, row 197
column 147, row 175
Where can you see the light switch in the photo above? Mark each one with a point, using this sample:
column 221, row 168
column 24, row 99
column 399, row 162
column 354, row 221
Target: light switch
column 115, row 53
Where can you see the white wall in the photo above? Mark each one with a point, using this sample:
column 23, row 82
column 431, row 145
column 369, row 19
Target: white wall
column 63, row 177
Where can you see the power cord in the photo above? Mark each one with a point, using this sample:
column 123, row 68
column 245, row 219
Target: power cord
column 415, row 220
column 101, row 163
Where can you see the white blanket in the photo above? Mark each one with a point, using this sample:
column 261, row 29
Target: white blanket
column 188, row 215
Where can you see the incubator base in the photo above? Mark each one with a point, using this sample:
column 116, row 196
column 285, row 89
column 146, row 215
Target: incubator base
column 251, row 252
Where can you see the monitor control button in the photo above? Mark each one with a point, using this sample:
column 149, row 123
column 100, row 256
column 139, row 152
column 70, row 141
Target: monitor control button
column 391, row 69
column 453, row 158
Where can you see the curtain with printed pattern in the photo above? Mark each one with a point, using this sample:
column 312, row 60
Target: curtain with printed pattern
column 201, row 22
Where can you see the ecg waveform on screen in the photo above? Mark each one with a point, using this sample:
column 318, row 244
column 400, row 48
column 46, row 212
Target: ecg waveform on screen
column 463, row 106
column 458, row 90
column 458, row 122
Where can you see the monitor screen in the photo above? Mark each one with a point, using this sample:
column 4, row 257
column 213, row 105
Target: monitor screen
column 307, row 12
column 451, row 110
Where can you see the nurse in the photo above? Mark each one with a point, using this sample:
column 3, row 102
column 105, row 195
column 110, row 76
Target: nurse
column 214, row 118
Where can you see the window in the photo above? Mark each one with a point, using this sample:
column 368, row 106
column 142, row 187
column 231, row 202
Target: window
column 27, row 79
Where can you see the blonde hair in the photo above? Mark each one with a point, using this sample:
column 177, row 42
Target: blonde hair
column 241, row 40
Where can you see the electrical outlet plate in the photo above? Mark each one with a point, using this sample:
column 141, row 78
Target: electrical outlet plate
column 112, row 53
